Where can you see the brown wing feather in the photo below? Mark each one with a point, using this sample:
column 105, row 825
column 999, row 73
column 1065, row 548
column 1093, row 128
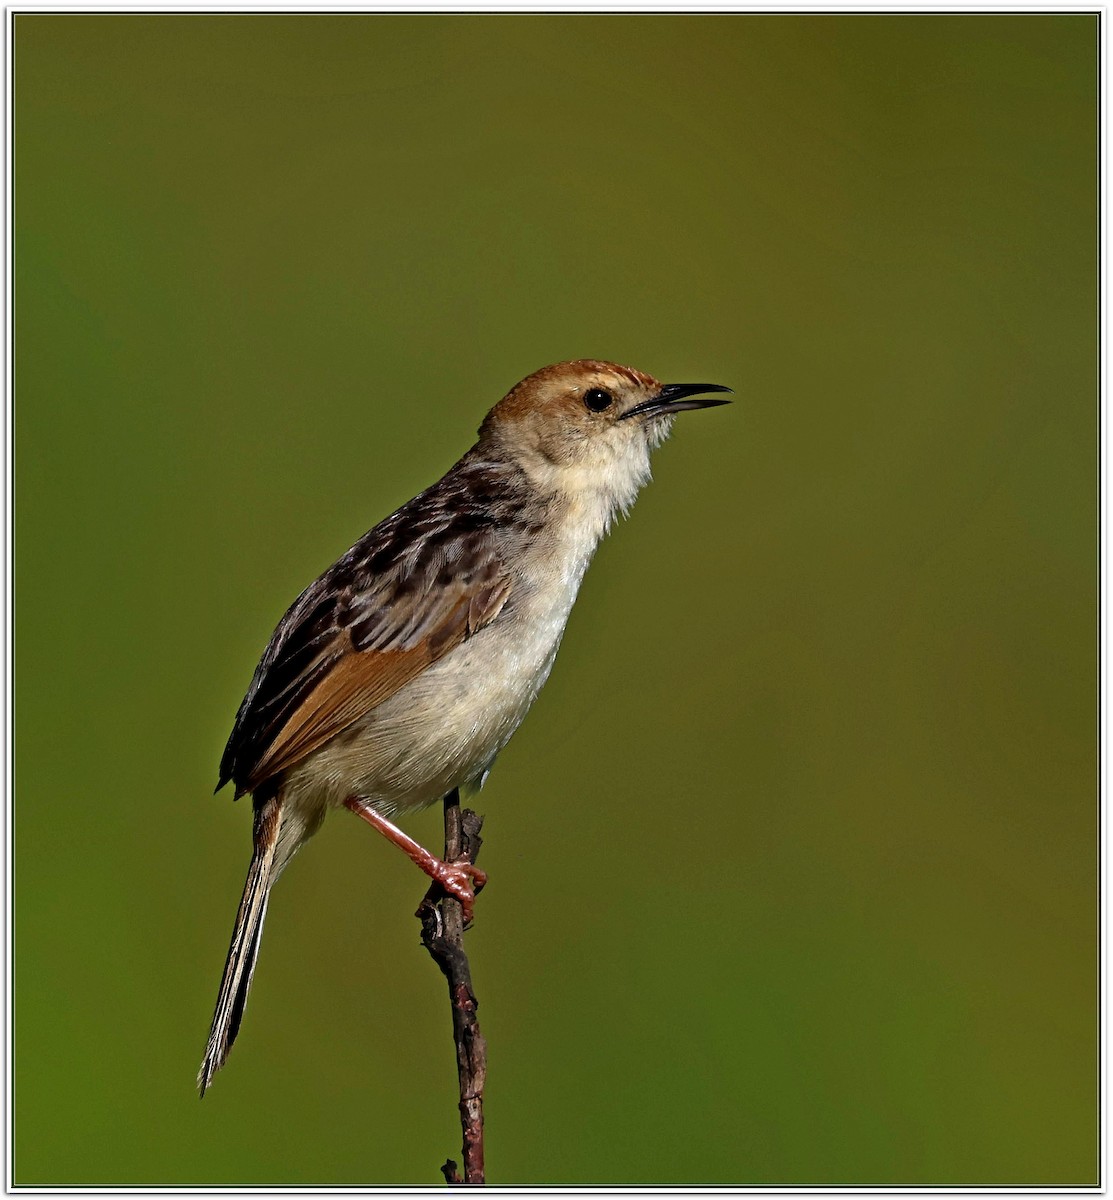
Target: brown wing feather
column 359, row 680
column 403, row 596
column 355, row 685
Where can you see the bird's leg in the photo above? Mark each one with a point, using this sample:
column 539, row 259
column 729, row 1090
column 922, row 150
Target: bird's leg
column 455, row 878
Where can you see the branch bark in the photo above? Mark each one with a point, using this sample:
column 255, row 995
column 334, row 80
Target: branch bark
column 442, row 934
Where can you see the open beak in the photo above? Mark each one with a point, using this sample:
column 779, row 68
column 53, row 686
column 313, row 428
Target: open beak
column 677, row 397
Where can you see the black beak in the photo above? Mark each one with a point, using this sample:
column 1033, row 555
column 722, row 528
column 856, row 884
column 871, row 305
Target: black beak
column 677, row 397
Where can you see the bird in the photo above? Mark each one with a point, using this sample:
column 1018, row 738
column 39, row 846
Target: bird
column 401, row 672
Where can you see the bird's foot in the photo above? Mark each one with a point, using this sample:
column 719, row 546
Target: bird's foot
column 456, row 879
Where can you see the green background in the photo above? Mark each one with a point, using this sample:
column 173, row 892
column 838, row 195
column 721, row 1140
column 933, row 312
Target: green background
column 794, row 864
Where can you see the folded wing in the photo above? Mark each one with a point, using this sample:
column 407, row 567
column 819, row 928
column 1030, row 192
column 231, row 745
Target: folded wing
column 408, row 592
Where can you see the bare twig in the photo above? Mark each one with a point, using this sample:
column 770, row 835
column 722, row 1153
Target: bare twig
column 442, row 934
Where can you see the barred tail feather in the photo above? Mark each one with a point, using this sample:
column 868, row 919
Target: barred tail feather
column 244, row 949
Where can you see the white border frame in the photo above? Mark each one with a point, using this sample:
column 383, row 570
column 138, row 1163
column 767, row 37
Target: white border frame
column 1104, row 448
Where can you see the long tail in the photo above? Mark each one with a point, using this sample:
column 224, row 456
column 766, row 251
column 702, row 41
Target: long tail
column 240, row 965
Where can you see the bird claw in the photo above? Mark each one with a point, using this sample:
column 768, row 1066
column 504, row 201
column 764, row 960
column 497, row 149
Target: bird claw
column 455, row 879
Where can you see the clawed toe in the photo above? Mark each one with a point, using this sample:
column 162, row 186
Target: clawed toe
column 456, row 879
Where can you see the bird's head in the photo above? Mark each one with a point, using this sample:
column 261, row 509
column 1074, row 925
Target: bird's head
column 589, row 426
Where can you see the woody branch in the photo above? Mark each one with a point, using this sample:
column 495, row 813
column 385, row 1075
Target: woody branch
column 442, row 934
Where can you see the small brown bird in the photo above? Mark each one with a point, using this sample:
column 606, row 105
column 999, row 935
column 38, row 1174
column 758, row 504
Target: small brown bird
column 405, row 668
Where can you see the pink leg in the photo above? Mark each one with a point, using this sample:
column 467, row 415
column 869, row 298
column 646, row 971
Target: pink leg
column 455, row 878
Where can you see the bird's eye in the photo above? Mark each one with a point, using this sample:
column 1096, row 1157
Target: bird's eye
column 597, row 399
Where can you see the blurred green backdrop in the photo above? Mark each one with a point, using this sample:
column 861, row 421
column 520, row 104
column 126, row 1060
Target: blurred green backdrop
column 794, row 863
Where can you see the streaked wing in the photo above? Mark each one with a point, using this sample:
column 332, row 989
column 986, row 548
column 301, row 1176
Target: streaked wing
column 408, row 592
